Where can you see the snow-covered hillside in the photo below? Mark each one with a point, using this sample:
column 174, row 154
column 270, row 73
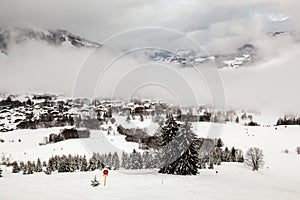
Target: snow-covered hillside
column 233, row 181
column 10, row 36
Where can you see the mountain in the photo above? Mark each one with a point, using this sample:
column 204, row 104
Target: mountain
column 189, row 57
column 57, row 37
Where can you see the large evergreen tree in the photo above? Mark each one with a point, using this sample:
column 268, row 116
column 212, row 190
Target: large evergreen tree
column 170, row 145
column 187, row 162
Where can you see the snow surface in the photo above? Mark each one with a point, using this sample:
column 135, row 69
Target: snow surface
column 29, row 148
column 233, row 181
column 279, row 179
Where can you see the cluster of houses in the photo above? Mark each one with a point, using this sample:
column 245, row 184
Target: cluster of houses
column 43, row 111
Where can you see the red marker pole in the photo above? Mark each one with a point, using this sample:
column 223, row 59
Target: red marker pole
column 105, row 173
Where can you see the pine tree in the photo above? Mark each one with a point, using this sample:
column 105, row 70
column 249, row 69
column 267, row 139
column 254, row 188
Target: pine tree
column 180, row 155
column 211, row 164
column 48, row 170
column 30, row 168
column 22, row 166
column 92, row 164
column 108, row 160
column 25, row 169
column 136, row 160
column 1, row 173
column 157, row 159
column 233, row 155
column 38, row 167
column 170, row 146
column 147, row 158
column 16, row 168
column 63, row 164
column 220, row 143
column 84, row 164
column 226, row 155
column 187, row 163
column 125, row 160
column 115, row 161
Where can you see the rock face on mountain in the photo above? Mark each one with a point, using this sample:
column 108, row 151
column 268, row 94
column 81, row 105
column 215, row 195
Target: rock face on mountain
column 188, row 57
column 51, row 37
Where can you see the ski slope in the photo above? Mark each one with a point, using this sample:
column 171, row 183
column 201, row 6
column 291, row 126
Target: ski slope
column 233, row 182
column 29, row 148
column 279, row 179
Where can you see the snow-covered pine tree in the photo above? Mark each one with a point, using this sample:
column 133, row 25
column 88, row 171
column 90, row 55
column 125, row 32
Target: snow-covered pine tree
column 136, row 160
column 170, row 146
column 1, row 173
column 187, row 162
column 16, row 168
column 21, row 165
column 108, row 160
column 25, row 169
column 124, row 159
column 63, row 164
column 38, row 167
column 92, row 164
column 157, row 159
column 84, row 164
column 226, row 155
column 48, row 170
column 220, row 143
column 30, row 168
column 69, row 163
column 147, row 158
column 115, row 161
column 233, row 155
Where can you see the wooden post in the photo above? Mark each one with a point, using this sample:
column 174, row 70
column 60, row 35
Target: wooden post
column 104, row 180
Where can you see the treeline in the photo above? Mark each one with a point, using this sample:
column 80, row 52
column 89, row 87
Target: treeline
column 68, row 163
column 134, row 160
column 288, row 121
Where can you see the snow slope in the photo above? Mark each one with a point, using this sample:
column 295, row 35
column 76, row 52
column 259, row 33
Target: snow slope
column 279, row 179
column 233, row 182
column 29, row 148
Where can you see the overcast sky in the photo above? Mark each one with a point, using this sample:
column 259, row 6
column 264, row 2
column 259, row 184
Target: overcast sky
column 99, row 19
column 219, row 26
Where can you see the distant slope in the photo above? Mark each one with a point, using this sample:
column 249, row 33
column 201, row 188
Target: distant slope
column 52, row 37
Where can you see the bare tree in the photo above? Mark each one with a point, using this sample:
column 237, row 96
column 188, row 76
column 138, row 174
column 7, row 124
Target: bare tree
column 254, row 158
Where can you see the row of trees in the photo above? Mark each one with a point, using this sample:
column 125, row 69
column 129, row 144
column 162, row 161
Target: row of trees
column 288, row 121
column 68, row 164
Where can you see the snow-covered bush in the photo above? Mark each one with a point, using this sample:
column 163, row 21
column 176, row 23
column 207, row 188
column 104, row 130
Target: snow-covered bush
column 95, row 182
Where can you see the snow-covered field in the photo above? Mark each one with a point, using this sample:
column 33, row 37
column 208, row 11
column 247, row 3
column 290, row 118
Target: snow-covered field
column 234, row 181
column 279, row 179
